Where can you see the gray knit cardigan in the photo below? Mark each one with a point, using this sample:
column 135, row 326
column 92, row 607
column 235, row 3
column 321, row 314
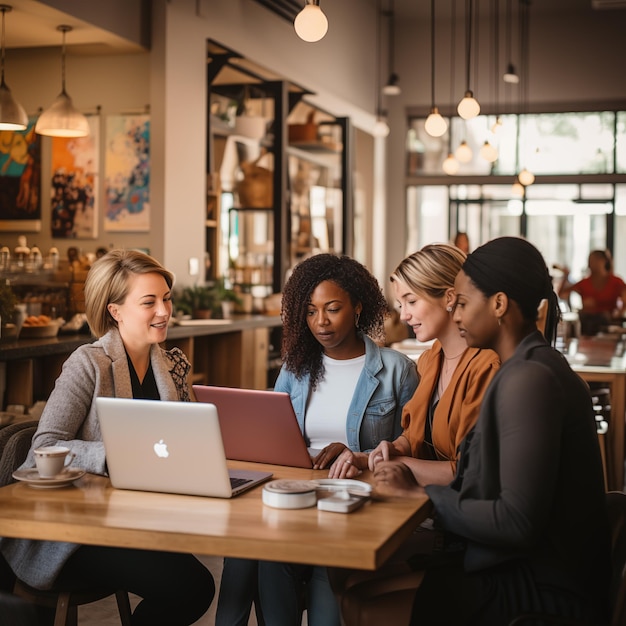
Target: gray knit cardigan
column 69, row 418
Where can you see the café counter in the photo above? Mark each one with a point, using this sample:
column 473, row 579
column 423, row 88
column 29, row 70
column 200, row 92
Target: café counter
column 232, row 353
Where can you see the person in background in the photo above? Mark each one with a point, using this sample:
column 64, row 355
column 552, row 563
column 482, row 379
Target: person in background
column 347, row 393
column 461, row 241
column 524, row 469
column 444, row 408
column 603, row 293
column 128, row 305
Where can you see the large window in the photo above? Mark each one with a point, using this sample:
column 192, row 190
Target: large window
column 577, row 203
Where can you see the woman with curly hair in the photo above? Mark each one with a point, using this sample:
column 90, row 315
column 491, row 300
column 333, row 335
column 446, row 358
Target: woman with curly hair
column 347, row 393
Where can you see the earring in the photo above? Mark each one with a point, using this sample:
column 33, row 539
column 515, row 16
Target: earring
column 499, row 321
column 449, row 309
column 356, row 319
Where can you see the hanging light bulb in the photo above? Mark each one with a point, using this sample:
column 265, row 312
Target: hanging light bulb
column 435, row 125
column 392, row 88
column 311, row 24
column 517, row 189
column 488, row 152
column 463, row 153
column 525, row 177
column 450, row 165
column 61, row 119
column 497, row 125
column 12, row 114
column 381, row 128
column 468, row 107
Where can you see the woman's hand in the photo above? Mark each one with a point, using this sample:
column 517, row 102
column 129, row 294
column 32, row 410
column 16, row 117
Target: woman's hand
column 393, row 478
column 348, row 464
column 384, row 451
column 328, row 455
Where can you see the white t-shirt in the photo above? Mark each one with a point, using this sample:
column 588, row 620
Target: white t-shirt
column 327, row 410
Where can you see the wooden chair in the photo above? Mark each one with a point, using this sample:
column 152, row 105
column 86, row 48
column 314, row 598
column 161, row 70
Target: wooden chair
column 65, row 603
column 616, row 506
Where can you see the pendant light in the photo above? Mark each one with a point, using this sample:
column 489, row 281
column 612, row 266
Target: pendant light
column 510, row 76
column 61, row 119
column 525, row 176
column 435, row 124
column 468, row 108
column 391, row 88
column 463, row 153
column 12, row 114
column 311, row 24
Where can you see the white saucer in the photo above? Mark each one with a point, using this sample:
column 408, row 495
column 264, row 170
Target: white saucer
column 353, row 487
column 31, row 477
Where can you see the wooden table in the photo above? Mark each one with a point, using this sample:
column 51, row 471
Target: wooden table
column 91, row 512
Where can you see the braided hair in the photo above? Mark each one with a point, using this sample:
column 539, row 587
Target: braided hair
column 301, row 352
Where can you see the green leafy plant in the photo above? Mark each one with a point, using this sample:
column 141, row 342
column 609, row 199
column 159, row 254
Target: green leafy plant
column 196, row 298
column 225, row 294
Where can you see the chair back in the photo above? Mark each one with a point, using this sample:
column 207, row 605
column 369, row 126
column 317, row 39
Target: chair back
column 616, row 505
column 15, row 452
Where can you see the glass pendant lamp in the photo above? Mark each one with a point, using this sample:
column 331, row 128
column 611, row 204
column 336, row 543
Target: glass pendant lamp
column 311, row 24
column 61, row 119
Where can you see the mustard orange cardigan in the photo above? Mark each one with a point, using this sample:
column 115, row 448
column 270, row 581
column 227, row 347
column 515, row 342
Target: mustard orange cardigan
column 457, row 410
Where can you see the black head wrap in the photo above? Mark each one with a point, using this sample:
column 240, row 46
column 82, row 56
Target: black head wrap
column 515, row 267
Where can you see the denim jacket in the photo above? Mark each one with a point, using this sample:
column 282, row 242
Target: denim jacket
column 387, row 381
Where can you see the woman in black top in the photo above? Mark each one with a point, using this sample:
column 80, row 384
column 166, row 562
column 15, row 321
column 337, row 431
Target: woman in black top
column 528, row 497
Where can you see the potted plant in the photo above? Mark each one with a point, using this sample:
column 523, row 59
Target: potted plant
column 226, row 298
column 199, row 301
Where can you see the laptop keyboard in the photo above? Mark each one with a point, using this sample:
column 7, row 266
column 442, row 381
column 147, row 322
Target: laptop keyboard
column 237, row 482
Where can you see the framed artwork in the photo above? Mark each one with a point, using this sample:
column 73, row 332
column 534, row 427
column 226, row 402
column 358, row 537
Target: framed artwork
column 20, row 180
column 127, row 173
column 74, row 184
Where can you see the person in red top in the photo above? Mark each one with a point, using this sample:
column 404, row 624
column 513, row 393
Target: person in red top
column 603, row 293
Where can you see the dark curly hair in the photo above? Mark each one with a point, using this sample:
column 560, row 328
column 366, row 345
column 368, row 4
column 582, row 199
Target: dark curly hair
column 301, row 352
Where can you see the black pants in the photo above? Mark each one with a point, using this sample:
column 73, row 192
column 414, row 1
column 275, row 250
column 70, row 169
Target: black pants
column 493, row 597
column 176, row 589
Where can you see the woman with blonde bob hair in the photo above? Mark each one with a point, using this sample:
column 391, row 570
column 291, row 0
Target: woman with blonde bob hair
column 128, row 304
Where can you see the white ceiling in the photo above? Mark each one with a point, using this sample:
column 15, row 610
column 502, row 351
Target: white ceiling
column 32, row 24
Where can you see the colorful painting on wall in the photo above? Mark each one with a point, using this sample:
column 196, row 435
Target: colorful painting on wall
column 20, row 180
column 74, row 184
column 127, row 173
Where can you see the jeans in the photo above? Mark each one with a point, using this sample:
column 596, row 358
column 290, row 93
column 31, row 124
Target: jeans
column 287, row 589
column 238, row 590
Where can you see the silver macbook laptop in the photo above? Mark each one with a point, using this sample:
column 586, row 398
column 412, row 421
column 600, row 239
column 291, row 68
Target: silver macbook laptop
column 258, row 426
column 169, row 447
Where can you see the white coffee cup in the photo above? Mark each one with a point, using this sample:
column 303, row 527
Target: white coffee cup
column 52, row 460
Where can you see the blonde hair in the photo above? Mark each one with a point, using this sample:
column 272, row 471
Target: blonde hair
column 430, row 271
column 108, row 283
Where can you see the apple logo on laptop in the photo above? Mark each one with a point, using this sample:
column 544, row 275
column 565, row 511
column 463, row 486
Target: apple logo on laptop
column 161, row 449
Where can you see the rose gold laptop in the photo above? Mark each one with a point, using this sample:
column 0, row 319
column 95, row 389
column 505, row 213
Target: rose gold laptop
column 257, row 425
column 169, row 447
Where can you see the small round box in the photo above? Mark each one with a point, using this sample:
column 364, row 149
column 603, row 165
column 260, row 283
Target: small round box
column 290, row 494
